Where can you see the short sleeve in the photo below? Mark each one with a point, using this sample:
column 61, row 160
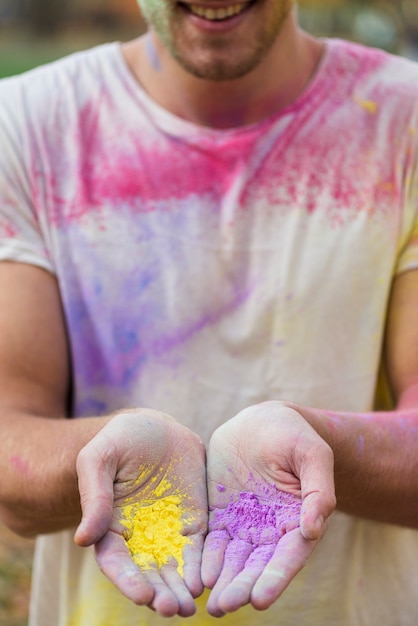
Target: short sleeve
column 409, row 257
column 20, row 233
column 408, row 249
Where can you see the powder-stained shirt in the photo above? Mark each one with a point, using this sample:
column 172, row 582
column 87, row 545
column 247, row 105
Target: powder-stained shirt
column 202, row 271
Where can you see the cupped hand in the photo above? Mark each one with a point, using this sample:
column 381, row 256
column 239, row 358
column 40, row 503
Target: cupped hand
column 144, row 458
column 271, row 492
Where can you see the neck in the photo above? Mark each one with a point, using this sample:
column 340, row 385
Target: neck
column 276, row 82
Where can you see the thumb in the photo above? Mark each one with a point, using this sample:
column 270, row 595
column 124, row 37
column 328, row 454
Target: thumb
column 95, row 483
column 318, row 491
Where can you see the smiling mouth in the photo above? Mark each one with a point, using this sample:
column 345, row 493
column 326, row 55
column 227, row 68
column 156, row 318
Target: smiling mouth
column 220, row 14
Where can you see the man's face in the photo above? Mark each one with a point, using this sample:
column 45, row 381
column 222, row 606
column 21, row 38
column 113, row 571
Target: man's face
column 217, row 40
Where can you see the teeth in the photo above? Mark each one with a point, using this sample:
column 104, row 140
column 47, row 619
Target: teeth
column 217, row 14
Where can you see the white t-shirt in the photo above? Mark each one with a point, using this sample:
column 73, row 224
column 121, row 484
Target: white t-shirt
column 202, row 271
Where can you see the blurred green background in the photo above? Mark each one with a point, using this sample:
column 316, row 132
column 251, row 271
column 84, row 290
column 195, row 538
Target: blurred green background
column 36, row 31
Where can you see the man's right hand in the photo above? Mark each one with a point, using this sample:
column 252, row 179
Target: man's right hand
column 141, row 457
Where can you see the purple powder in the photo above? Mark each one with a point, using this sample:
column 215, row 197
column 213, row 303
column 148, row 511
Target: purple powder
column 256, row 520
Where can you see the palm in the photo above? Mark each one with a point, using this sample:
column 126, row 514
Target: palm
column 256, row 479
column 157, row 476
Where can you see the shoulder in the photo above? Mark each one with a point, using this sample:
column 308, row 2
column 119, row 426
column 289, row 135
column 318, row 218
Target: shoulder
column 373, row 78
column 42, row 92
column 353, row 54
column 70, row 66
column 372, row 66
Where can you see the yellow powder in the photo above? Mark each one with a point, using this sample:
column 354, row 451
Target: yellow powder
column 368, row 105
column 154, row 529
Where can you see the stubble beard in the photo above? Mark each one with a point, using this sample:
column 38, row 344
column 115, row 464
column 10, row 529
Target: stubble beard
column 217, row 69
column 213, row 62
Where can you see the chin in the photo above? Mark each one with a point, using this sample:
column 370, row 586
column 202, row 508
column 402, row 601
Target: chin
column 218, row 70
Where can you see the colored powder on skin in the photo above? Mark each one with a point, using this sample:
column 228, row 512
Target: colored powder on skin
column 20, row 464
column 154, row 530
column 259, row 520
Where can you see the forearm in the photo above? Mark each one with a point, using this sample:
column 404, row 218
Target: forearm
column 376, row 461
column 38, row 487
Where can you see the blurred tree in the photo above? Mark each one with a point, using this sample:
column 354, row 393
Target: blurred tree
column 45, row 16
column 390, row 24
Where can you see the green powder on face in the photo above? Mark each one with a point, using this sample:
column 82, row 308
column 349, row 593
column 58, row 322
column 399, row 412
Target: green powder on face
column 154, row 530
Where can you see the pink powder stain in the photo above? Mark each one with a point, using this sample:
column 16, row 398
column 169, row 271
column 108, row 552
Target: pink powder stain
column 307, row 164
column 166, row 170
column 8, row 231
column 139, row 183
column 20, row 464
column 122, row 169
column 256, row 520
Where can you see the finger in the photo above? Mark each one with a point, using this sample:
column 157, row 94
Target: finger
column 95, row 484
column 235, row 557
column 186, row 604
column 238, row 592
column 164, row 602
column 116, row 563
column 213, row 556
column 192, row 555
column 290, row 555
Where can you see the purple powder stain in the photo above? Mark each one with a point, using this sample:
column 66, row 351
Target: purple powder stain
column 153, row 55
column 221, row 488
column 259, row 521
column 261, row 555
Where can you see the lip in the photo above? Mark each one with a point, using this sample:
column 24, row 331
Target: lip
column 216, row 26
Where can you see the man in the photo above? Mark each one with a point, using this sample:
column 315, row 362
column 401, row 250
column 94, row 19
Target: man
column 218, row 219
